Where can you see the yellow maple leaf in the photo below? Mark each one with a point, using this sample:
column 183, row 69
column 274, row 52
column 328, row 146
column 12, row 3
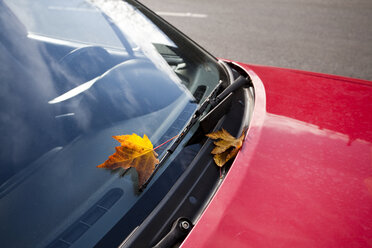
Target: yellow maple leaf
column 134, row 152
column 227, row 146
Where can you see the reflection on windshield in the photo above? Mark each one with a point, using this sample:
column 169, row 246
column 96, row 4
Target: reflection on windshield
column 141, row 31
column 79, row 89
column 73, row 74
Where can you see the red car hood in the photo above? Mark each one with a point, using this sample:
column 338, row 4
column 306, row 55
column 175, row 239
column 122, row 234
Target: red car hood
column 304, row 175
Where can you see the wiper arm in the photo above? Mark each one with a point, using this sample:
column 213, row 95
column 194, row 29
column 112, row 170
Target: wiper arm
column 237, row 84
column 212, row 101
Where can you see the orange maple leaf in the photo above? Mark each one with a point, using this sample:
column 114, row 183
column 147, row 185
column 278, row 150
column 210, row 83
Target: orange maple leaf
column 134, row 152
column 227, row 146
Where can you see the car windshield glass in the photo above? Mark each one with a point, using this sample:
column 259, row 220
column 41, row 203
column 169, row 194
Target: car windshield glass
column 72, row 75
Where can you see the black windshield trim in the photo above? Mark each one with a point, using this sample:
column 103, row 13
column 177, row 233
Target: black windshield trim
column 193, row 190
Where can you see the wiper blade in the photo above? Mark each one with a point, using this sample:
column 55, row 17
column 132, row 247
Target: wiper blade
column 212, row 101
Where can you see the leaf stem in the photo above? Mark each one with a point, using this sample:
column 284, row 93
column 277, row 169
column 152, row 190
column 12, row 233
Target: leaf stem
column 165, row 142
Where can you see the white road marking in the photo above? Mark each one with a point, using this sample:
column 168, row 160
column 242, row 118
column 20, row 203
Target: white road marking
column 72, row 9
column 180, row 14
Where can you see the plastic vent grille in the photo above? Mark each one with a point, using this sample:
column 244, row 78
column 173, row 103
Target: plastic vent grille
column 78, row 228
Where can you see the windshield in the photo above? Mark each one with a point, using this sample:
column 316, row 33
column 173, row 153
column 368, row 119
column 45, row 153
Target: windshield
column 72, row 75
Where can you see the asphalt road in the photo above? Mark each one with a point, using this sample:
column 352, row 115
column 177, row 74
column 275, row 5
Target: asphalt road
column 328, row 36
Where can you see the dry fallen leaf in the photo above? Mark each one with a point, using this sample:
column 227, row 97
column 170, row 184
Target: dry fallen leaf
column 134, row 152
column 227, row 146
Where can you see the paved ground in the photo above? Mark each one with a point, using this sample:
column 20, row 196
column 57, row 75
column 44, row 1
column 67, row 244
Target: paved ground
column 329, row 36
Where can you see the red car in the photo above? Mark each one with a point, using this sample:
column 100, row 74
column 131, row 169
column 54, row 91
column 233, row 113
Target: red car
column 75, row 73
column 303, row 177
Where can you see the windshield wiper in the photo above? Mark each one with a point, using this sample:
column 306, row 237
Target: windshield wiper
column 212, row 101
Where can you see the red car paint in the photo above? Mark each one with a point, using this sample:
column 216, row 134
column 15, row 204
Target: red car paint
column 304, row 175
